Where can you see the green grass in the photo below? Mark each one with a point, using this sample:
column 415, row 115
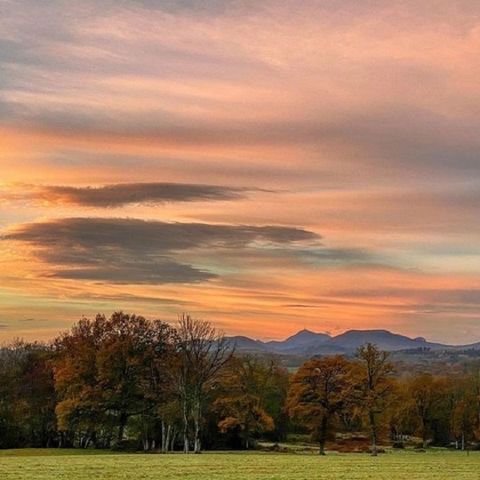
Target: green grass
column 76, row 465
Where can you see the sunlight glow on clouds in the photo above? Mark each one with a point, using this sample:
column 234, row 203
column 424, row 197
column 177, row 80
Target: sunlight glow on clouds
column 264, row 165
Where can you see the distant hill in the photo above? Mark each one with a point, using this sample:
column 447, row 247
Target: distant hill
column 383, row 339
column 247, row 345
column 470, row 346
column 300, row 342
column 307, row 343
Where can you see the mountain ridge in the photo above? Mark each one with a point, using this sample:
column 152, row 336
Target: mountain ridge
column 308, row 343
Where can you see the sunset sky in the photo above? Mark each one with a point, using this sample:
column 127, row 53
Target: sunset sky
column 264, row 165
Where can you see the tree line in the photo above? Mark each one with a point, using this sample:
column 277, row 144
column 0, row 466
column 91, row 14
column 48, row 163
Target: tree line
column 125, row 382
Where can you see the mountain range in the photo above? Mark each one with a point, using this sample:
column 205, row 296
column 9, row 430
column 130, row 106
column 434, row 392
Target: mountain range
column 308, row 343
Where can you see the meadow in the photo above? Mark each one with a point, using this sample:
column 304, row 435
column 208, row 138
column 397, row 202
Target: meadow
column 30, row 464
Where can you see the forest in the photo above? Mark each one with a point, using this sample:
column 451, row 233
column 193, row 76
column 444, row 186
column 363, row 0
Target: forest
column 127, row 383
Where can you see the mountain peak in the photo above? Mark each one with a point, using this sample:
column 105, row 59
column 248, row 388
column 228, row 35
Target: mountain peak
column 304, row 333
column 299, row 341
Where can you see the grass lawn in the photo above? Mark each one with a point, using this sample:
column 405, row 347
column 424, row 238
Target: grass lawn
column 80, row 465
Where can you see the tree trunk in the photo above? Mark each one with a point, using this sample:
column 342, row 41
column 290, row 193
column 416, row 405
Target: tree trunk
column 164, row 441
column 373, row 428
column 196, row 419
column 463, row 441
column 321, row 450
column 323, row 434
column 121, row 426
column 167, row 439
column 424, row 433
column 185, row 427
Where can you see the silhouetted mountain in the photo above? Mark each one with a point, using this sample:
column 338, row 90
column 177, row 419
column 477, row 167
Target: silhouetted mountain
column 247, row 345
column 383, row 339
column 300, row 342
column 307, row 343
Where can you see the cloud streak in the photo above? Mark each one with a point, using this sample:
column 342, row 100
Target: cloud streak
column 119, row 195
column 135, row 251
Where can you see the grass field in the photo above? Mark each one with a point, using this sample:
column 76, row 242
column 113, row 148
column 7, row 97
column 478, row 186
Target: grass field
column 77, row 465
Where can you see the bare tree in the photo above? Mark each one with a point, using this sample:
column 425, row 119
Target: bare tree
column 202, row 353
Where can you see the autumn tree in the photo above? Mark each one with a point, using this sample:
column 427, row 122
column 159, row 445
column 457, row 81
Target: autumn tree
column 424, row 397
column 122, row 362
column 464, row 412
column 11, row 358
column 27, row 396
column 274, row 399
column 319, row 390
column 202, row 352
column 474, row 382
column 374, row 387
column 79, row 408
column 400, row 418
column 241, row 407
column 108, row 370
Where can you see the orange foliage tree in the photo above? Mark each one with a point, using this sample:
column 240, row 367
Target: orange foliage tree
column 320, row 390
column 242, row 405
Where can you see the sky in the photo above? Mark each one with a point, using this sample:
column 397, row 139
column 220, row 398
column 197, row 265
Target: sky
column 265, row 166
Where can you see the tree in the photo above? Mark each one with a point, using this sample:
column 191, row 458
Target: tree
column 123, row 363
column 424, row 393
column 474, row 381
column 320, row 389
column 27, row 396
column 171, row 419
column 108, row 370
column 79, row 410
column 202, row 352
column 242, row 405
column 274, row 399
column 373, row 386
column 464, row 413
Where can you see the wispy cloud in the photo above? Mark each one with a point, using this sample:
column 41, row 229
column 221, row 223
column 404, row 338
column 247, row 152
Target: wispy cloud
column 119, row 195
